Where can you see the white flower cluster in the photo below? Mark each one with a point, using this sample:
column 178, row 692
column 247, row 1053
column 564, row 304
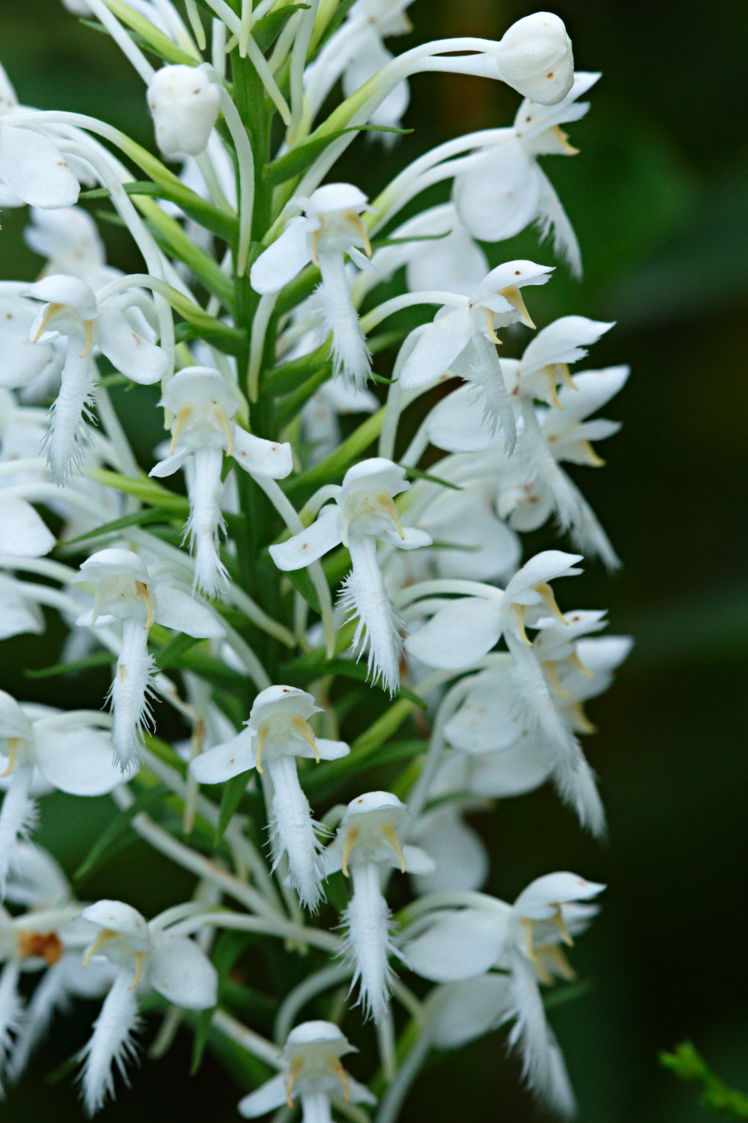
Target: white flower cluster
column 257, row 314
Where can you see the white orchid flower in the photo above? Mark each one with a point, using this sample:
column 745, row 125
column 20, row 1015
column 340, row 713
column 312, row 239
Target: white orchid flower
column 184, row 103
column 22, row 532
column 32, row 168
column 524, row 940
column 330, row 228
column 116, row 327
column 312, row 1070
column 535, row 58
column 276, row 733
column 319, row 416
column 462, row 339
column 363, row 513
column 500, row 190
column 147, row 956
column 20, row 613
column 56, row 749
column 123, row 590
column 202, row 430
column 368, row 843
column 24, row 362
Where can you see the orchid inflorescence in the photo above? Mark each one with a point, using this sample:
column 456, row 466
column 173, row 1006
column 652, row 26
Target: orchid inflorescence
column 354, row 649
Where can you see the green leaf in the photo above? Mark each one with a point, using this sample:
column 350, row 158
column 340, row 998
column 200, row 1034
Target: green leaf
column 142, row 488
column 417, row 474
column 290, row 406
column 159, row 43
column 289, row 376
column 687, row 1064
column 332, row 468
column 98, row 659
column 170, row 236
column 169, row 655
column 137, row 518
column 295, row 162
column 266, row 30
column 231, row 797
column 103, row 846
column 229, row 946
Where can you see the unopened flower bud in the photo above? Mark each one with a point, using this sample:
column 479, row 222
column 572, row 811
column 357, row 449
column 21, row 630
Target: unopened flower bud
column 184, row 104
column 535, row 58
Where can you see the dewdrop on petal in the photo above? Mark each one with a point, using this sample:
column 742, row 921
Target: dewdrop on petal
column 184, row 104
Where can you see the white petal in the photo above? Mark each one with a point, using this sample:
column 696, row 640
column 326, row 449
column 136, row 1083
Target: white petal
column 417, row 861
column 282, row 260
column 35, row 169
column 466, row 1010
column 540, row 899
column 514, row 771
column 564, row 341
column 497, row 194
column 458, row 422
column 22, row 532
column 460, row 856
column 270, row 1095
column 260, row 457
column 459, row 945
column 458, row 635
column 545, row 566
column 309, row 545
column 180, row 971
column 438, row 344
column 331, row 750
column 119, row 917
column 487, row 721
column 129, row 352
column 77, row 761
column 177, row 609
column 224, row 761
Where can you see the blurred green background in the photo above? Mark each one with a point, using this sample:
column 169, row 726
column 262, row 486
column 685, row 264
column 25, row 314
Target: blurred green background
column 657, row 199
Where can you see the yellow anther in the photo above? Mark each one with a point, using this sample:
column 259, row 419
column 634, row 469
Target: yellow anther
column 564, row 141
column 581, row 667
column 558, row 920
column 540, row 969
column 546, row 593
column 226, row 428
column 583, row 722
column 360, row 230
column 350, row 842
column 566, row 375
column 390, row 834
column 139, row 961
column 593, row 459
column 104, row 936
column 262, row 736
column 552, row 671
column 89, row 339
column 293, row 1075
column 517, row 301
column 388, row 504
column 519, row 612
column 144, row 594
column 13, row 743
column 556, row 956
column 52, row 310
column 337, row 1067
column 490, row 325
column 315, row 247
column 551, row 374
column 181, row 420
column 302, row 728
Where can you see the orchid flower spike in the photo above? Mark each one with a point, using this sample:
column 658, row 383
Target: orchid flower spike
column 147, row 956
column 363, row 513
column 184, row 103
column 116, row 327
column 367, row 844
column 500, row 190
column 276, row 733
column 32, row 168
column 461, row 339
column 525, row 940
column 123, row 590
column 39, row 751
column 203, row 406
column 312, row 1070
column 330, row 228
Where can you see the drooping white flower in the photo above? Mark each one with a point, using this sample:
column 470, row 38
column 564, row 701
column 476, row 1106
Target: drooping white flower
column 202, row 430
column 363, row 513
column 330, row 228
column 32, row 167
column 276, row 733
column 123, row 590
column 368, row 843
column 462, row 339
column 500, row 189
column 116, row 327
column 523, row 939
column 184, row 103
column 146, row 956
column 535, row 57
column 312, row 1070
